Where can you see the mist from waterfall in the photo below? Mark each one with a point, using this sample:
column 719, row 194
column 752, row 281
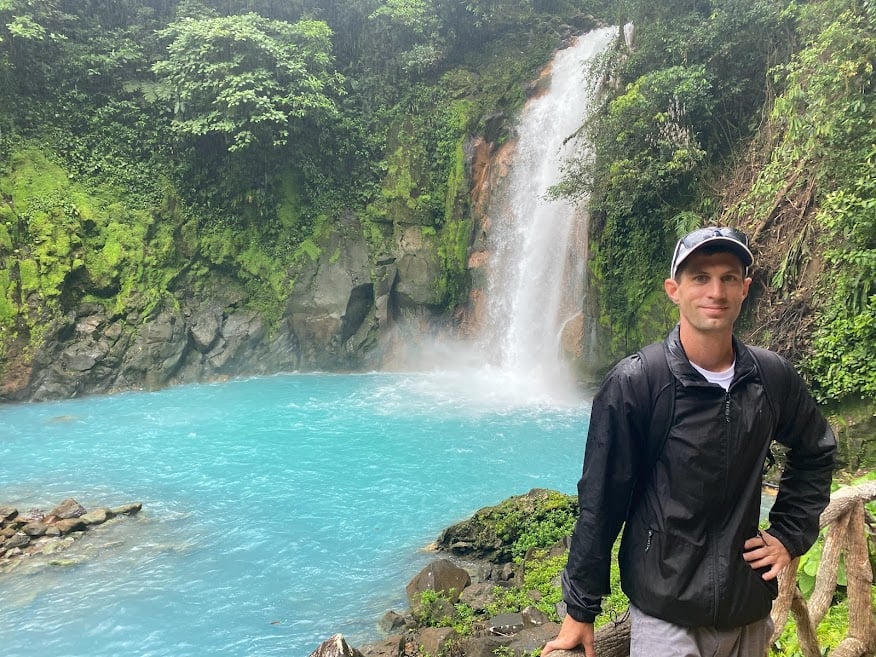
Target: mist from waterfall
column 537, row 245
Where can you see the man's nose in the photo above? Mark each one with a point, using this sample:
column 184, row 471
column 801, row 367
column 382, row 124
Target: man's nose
column 717, row 288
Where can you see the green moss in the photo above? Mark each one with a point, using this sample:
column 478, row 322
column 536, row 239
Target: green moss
column 56, row 225
column 219, row 244
column 5, row 237
column 456, row 183
column 403, row 194
column 453, row 252
column 8, row 303
column 309, row 248
column 289, row 206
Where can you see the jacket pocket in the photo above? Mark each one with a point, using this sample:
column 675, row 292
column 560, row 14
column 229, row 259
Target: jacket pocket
column 748, row 596
column 667, row 577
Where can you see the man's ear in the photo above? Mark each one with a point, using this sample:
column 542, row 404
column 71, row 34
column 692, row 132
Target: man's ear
column 746, row 284
column 671, row 287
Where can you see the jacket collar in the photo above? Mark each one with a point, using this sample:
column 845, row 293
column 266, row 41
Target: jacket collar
column 681, row 368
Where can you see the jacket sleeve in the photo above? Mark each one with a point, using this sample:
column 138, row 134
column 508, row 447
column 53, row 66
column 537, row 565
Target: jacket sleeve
column 611, row 461
column 804, row 488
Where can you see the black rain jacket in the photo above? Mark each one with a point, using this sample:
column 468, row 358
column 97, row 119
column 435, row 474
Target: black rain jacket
column 688, row 515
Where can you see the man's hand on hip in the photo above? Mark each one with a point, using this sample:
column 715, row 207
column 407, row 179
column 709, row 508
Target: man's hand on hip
column 766, row 551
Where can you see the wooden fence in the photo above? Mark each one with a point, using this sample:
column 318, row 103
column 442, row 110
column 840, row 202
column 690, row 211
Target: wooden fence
column 848, row 524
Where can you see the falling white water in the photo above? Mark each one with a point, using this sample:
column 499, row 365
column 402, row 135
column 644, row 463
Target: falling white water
column 535, row 278
column 536, row 261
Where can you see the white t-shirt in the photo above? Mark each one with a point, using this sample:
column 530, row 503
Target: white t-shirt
column 723, row 379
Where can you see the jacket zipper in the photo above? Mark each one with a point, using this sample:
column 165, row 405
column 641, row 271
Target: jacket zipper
column 717, row 584
column 648, row 544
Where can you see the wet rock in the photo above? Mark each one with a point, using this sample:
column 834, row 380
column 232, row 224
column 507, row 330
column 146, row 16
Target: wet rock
column 391, row 622
column 505, row 624
column 69, row 508
column 70, row 525
column 482, row 646
column 96, row 517
column 38, row 533
column 35, row 528
column 7, row 513
column 533, row 638
column 533, row 617
column 18, row 540
column 127, row 509
column 336, row 646
column 418, row 267
column 481, row 536
column 51, row 545
column 204, row 329
column 333, row 298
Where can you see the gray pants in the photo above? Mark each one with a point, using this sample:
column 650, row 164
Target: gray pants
column 652, row 637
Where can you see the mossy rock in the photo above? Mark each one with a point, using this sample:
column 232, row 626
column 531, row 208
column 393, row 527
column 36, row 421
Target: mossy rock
column 492, row 532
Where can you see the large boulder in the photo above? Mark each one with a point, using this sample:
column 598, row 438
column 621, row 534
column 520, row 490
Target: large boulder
column 442, row 576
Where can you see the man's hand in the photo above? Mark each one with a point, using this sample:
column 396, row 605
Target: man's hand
column 766, row 551
column 572, row 634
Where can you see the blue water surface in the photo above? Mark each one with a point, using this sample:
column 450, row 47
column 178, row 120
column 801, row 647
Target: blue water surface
column 277, row 511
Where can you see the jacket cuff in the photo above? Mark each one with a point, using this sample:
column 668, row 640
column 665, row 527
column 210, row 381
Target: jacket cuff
column 581, row 607
column 581, row 615
column 792, row 547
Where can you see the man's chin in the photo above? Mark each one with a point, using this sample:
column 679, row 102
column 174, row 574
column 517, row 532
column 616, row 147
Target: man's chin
column 714, row 325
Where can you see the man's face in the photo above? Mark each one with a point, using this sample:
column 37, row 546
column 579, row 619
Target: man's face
column 710, row 291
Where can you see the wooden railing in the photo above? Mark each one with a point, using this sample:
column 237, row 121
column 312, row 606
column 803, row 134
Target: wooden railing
column 846, row 537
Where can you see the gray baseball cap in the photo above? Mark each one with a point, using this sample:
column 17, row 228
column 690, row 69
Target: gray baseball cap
column 728, row 239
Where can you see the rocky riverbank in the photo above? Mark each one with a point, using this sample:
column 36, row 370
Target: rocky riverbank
column 35, row 532
column 476, row 599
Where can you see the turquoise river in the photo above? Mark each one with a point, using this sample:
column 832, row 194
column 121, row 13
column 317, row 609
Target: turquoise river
column 277, row 511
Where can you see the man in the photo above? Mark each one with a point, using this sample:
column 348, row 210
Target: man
column 700, row 575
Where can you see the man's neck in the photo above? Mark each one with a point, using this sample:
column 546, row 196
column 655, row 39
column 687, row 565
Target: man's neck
column 711, row 351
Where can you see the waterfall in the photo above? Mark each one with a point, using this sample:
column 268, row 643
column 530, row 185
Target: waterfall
column 529, row 262
column 537, row 246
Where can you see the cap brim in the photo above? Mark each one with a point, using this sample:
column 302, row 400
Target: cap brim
column 741, row 251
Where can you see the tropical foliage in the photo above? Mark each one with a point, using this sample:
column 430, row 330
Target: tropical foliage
column 711, row 93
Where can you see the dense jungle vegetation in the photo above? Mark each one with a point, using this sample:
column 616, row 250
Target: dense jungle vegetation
column 752, row 114
column 144, row 144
